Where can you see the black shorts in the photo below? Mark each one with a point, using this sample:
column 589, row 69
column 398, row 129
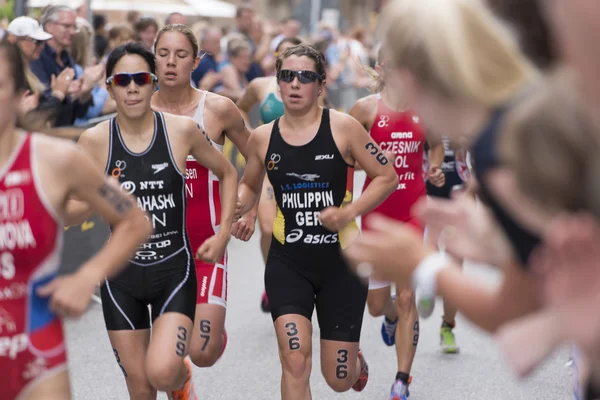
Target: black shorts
column 296, row 283
column 452, row 179
column 166, row 287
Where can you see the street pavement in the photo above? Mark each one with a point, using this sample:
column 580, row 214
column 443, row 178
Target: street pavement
column 250, row 368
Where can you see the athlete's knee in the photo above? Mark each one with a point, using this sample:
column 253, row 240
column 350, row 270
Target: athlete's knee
column 339, row 380
column 204, row 359
column 338, row 385
column 165, row 376
column 405, row 300
column 208, row 356
column 376, row 305
column 296, row 364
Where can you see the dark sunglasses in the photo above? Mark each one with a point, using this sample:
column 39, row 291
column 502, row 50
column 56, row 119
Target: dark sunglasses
column 140, row 79
column 304, row 77
column 36, row 42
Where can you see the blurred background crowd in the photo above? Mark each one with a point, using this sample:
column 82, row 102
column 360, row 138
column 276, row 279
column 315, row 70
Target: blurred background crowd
column 238, row 44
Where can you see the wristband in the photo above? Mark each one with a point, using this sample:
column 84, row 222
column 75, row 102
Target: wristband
column 425, row 275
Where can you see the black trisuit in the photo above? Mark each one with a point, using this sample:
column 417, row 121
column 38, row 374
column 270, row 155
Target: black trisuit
column 450, row 168
column 305, row 266
column 162, row 273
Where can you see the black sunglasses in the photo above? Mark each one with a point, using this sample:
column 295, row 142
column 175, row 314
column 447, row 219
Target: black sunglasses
column 304, row 77
column 36, row 42
column 124, row 79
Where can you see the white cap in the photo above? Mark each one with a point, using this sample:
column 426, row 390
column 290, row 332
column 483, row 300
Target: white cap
column 27, row 26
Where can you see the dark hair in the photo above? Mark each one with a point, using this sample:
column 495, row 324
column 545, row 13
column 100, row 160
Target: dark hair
column 185, row 31
column 135, row 48
column 16, row 65
column 132, row 16
column 168, row 19
column 304, row 50
column 291, row 40
column 530, row 21
column 144, row 23
column 242, row 9
column 98, row 21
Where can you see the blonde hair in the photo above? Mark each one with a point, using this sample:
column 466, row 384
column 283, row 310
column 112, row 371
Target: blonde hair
column 120, row 34
column 35, row 85
column 456, row 47
column 378, row 82
column 81, row 43
column 552, row 145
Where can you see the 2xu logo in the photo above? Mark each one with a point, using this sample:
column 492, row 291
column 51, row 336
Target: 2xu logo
column 296, row 234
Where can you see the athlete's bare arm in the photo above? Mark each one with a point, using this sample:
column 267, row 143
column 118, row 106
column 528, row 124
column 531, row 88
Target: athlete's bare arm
column 365, row 112
column 234, row 126
column 94, row 142
column 130, row 227
column 249, row 98
column 235, row 129
column 251, row 184
column 490, row 308
column 350, row 135
column 201, row 148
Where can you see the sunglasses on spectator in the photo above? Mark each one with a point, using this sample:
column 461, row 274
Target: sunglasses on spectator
column 124, row 79
column 36, row 42
column 304, row 77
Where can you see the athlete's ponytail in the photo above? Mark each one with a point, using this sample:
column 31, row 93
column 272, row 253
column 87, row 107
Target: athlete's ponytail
column 378, row 80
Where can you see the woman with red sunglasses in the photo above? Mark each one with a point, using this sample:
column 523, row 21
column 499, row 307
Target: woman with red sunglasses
column 309, row 154
column 146, row 152
column 38, row 174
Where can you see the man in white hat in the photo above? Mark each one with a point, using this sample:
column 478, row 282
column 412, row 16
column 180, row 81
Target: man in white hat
column 29, row 35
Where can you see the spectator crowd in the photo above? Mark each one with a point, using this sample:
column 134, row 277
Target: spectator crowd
column 66, row 55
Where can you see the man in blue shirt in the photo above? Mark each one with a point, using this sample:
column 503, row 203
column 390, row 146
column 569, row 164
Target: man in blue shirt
column 206, row 75
column 60, row 21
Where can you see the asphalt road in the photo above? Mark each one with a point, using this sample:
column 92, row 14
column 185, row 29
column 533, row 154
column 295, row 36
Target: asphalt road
column 250, row 367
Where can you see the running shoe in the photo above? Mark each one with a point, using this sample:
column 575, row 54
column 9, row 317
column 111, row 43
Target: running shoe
column 388, row 331
column 264, row 303
column 448, row 341
column 188, row 392
column 363, row 378
column 425, row 305
column 388, row 328
column 399, row 391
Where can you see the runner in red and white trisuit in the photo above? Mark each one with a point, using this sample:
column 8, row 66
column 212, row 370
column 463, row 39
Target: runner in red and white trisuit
column 38, row 174
column 401, row 136
column 176, row 50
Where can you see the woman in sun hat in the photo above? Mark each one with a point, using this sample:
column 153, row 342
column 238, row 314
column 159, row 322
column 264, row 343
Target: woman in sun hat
column 29, row 36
